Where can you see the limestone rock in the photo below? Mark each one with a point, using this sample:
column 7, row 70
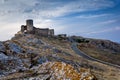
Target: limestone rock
column 14, row 47
column 3, row 56
column 61, row 71
column 2, row 47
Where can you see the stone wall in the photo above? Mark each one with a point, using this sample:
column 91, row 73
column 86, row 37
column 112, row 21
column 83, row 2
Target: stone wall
column 42, row 32
column 29, row 28
column 23, row 28
column 51, row 32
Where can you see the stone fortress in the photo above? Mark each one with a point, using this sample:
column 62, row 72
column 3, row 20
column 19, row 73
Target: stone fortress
column 30, row 29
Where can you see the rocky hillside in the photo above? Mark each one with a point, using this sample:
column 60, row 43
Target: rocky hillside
column 105, row 50
column 53, row 71
column 38, row 59
column 31, row 57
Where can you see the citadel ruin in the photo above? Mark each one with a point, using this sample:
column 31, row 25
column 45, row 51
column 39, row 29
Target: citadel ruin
column 29, row 28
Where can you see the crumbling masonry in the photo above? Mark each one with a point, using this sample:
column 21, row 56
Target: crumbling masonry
column 29, row 28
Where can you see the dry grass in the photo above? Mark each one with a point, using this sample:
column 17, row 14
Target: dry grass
column 100, row 54
column 101, row 71
column 18, row 75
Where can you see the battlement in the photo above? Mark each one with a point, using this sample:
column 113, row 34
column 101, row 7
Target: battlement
column 30, row 29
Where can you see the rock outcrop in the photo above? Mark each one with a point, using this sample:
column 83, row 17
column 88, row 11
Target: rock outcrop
column 32, row 55
column 2, row 47
column 54, row 71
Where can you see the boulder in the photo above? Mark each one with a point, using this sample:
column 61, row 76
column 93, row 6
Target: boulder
column 14, row 48
column 3, row 56
column 2, row 47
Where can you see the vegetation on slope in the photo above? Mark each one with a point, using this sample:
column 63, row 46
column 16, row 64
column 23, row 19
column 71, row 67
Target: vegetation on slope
column 31, row 51
column 100, row 49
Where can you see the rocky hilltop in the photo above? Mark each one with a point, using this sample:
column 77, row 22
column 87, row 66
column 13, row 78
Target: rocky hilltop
column 34, row 57
column 28, row 56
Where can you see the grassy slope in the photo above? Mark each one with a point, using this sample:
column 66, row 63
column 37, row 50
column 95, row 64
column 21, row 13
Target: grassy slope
column 98, row 69
column 101, row 54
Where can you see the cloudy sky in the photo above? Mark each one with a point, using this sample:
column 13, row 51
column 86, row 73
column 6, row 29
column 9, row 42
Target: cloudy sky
column 88, row 18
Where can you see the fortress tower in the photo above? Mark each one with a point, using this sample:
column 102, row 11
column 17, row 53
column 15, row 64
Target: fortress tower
column 30, row 29
column 29, row 24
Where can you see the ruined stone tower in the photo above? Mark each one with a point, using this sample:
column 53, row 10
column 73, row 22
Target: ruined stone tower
column 29, row 24
column 30, row 29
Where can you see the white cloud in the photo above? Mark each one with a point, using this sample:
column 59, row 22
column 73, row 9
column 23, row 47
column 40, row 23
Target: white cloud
column 106, row 22
column 51, row 24
column 93, row 16
column 102, row 24
column 105, row 30
column 8, row 30
column 96, row 31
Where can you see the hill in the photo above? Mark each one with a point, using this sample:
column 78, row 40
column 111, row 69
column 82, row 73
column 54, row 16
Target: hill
column 42, row 55
column 29, row 56
column 104, row 50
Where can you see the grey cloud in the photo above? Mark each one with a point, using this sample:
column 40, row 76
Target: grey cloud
column 52, row 8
